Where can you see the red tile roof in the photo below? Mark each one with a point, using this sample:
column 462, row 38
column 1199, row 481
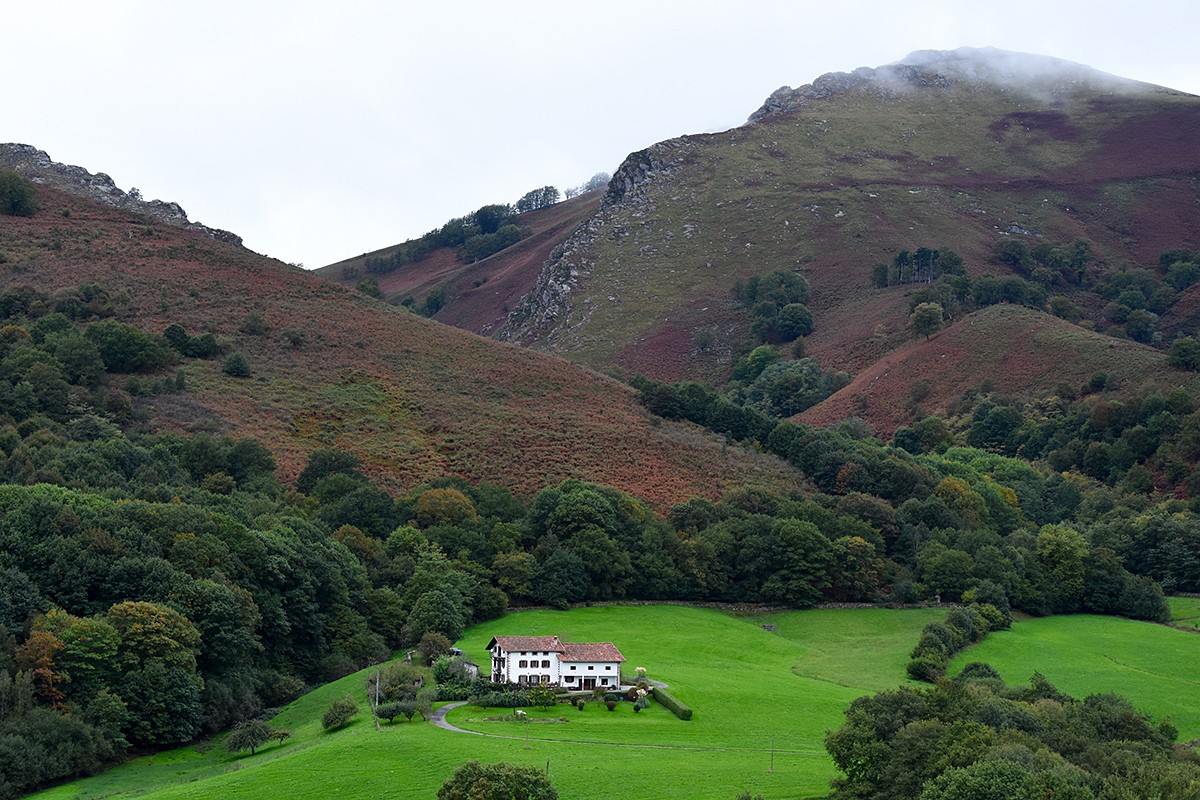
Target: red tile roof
column 536, row 644
column 591, row 651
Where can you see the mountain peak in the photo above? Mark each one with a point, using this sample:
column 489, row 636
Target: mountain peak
column 1042, row 77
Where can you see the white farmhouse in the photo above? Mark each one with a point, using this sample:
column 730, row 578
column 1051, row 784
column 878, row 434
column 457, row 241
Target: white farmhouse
column 546, row 659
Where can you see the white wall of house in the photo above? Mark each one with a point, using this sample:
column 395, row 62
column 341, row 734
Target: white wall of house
column 605, row 673
column 528, row 667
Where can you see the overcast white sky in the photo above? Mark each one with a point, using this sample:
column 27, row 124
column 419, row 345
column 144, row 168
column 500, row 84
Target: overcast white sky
column 320, row 130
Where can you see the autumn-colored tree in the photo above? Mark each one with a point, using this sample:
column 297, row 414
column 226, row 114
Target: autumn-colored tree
column 38, row 656
column 443, row 507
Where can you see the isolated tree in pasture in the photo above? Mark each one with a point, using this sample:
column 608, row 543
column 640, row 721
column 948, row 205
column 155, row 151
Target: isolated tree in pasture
column 339, row 713
column 249, row 735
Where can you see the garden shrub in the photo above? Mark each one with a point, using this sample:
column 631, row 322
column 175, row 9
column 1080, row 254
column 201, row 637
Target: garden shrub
column 611, row 705
column 672, row 703
column 500, row 700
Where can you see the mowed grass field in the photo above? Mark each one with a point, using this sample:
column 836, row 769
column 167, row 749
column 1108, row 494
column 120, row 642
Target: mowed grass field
column 1155, row 666
column 1185, row 612
column 748, row 686
column 752, row 690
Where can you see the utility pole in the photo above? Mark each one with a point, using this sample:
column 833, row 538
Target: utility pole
column 772, row 769
column 375, row 710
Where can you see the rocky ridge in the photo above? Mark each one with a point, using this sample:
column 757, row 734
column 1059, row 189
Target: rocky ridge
column 540, row 311
column 943, row 69
column 38, row 167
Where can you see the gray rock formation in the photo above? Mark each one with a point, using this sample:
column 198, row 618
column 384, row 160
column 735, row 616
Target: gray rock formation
column 543, row 312
column 37, row 166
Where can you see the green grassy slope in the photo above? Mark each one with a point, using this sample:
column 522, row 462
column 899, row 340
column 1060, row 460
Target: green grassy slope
column 746, row 684
column 1185, row 608
column 1153, row 665
column 751, row 688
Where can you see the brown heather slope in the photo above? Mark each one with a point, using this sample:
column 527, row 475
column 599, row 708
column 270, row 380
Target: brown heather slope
column 414, row 399
column 1018, row 351
column 480, row 295
column 947, row 151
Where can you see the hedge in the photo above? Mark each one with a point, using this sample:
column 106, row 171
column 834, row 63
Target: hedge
column 672, row 703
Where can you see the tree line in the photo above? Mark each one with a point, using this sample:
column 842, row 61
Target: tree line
column 1126, row 301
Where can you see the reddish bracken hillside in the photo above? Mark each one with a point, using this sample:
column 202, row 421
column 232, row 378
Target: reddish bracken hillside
column 1010, row 350
column 413, row 398
column 480, row 295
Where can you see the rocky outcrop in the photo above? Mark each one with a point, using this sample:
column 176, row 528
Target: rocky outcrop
column 546, row 311
column 37, row 166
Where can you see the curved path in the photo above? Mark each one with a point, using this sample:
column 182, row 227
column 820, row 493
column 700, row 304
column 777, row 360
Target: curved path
column 439, row 718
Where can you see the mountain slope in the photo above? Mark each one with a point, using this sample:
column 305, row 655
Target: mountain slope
column 951, row 150
column 1019, row 350
column 414, row 399
column 478, row 295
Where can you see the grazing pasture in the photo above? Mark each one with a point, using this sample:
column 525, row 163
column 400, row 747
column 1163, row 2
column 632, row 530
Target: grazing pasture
column 752, row 689
column 1153, row 665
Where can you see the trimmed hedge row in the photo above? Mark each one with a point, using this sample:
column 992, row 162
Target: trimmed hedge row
column 500, row 700
column 672, row 703
column 941, row 640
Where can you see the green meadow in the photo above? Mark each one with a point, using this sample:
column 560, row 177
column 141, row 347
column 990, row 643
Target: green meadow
column 1153, row 665
column 763, row 699
column 1185, row 612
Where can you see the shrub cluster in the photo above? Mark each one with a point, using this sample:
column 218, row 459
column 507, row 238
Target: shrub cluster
column 975, row 737
column 941, row 640
column 672, row 703
column 512, row 698
column 777, row 304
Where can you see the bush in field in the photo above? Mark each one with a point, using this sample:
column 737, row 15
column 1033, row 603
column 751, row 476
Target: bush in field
column 340, row 712
column 16, row 195
column 390, row 711
column 475, row 781
column 237, row 366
